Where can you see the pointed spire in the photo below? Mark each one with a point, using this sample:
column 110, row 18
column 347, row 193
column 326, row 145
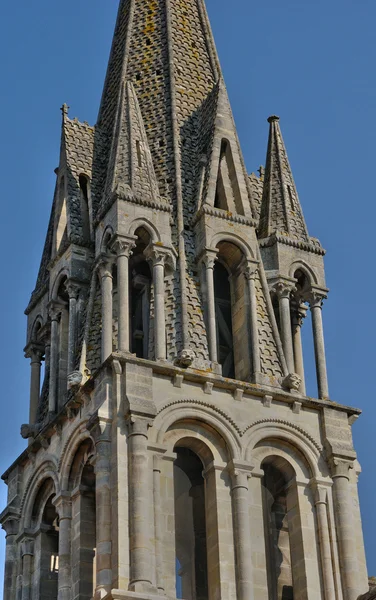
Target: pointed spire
column 281, row 212
column 130, row 169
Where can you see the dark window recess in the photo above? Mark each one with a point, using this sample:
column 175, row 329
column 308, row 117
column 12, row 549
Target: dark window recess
column 140, row 310
column 225, row 342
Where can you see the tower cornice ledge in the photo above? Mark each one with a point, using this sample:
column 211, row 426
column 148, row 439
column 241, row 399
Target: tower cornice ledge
column 313, row 246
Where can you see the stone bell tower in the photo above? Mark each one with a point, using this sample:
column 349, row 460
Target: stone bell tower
column 172, row 449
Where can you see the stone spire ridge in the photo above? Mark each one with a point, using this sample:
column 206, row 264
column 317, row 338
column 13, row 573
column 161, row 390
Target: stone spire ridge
column 281, row 211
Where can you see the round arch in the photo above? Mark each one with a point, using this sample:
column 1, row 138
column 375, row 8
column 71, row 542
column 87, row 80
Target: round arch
column 63, row 274
column 146, row 224
column 301, row 447
column 205, row 419
column 106, row 237
column 306, row 269
column 225, row 236
column 47, row 470
column 78, row 437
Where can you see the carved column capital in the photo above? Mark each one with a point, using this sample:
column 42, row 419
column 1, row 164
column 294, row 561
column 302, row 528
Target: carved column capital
column 208, row 257
column 63, row 505
column 315, row 298
column 73, row 289
column 35, row 352
column 283, row 288
column 27, row 547
column 123, row 245
column 55, row 309
column 298, row 313
column 10, row 523
column 340, row 467
column 104, row 266
column 159, row 255
column 250, row 269
column 99, row 428
column 139, row 426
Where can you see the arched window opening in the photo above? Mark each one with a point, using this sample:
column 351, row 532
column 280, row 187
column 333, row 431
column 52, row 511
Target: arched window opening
column 232, row 313
column 46, row 563
column 227, row 195
column 82, row 481
column 61, row 224
column 84, row 183
column 190, row 527
column 280, row 506
column 62, row 350
column 223, row 308
column 140, row 294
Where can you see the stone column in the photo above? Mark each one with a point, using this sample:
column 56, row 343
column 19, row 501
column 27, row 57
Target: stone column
column 100, row 429
column 242, row 532
column 209, row 258
column 345, row 530
column 283, row 291
column 321, row 501
column 10, row 525
column 27, row 549
column 250, row 274
column 315, row 302
column 158, row 257
column 73, row 290
column 55, row 314
column 105, row 274
column 35, row 352
column 123, row 248
column 63, row 505
column 140, row 505
column 298, row 316
column 158, row 526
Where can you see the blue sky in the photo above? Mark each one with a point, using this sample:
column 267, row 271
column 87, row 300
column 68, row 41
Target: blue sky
column 312, row 63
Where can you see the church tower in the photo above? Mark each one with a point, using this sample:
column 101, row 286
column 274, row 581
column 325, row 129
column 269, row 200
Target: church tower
column 172, row 449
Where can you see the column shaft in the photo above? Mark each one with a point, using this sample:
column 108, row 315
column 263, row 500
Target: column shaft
column 158, row 524
column 159, row 310
column 26, row 576
column 64, row 508
column 255, row 349
column 123, row 302
column 318, row 339
column 11, row 561
column 52, row 394
column 345, row 535
column 325, row 547
column 72, row 333
column 212, row 325
column 284, row 309
column 298, row 351
column 242, row 536
column 103, row 515
column 35, row 367
column 106, row 279
column 140, row 579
